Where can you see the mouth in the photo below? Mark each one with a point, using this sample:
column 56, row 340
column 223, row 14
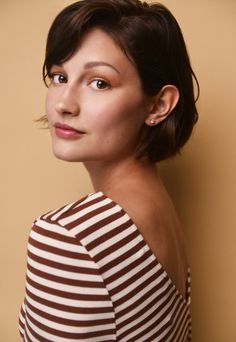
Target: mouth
column 67, row 132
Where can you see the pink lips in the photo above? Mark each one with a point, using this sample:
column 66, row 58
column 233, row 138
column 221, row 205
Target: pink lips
column 67, row 132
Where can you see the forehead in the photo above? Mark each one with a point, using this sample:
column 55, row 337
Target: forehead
column 98, row 46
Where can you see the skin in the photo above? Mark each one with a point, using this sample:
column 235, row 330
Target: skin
column 98, row 93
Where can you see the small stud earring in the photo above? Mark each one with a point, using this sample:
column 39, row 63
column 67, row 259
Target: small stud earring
column 152, row 122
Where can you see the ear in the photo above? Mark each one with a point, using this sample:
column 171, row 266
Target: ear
column 163, row 104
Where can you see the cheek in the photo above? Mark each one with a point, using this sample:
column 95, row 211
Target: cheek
column 117, row 124
column 118, row 111
column 128, row 117
column 49, row 105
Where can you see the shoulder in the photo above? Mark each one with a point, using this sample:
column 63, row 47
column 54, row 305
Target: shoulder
column 72, row 235
column 91, row 205
column 84, row 217
column 63, row 278
column 95, row 229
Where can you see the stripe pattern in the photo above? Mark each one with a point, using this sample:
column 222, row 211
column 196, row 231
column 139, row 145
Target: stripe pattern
column 92, row 277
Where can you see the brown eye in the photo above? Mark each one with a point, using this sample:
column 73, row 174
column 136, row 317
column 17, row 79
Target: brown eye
column 58, row 78
column 99, row 84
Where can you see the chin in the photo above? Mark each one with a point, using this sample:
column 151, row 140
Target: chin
column 66, row 156
column 67, row 159
column 69, row 156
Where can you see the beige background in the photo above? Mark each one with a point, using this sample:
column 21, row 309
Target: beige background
column 202, row 181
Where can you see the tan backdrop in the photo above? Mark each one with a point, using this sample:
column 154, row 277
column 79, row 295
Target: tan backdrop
column 202, row 181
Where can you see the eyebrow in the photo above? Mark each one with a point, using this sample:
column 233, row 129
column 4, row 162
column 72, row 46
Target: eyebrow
column 99, row 63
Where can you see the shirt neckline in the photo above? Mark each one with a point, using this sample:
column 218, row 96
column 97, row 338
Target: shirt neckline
column 186, row 299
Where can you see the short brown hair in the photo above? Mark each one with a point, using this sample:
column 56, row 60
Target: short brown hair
column 151, row 38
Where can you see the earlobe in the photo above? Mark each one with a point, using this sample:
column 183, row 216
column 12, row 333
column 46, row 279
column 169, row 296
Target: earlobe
column 164, row 102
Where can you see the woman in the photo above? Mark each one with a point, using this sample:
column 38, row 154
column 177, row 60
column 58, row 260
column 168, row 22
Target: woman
column 112, row 266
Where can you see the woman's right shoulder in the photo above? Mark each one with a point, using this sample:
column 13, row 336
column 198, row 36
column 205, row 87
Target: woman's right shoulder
column 79, row 213
column 67, row 231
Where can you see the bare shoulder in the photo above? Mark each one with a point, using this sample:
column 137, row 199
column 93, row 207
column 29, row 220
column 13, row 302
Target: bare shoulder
column 155, row 216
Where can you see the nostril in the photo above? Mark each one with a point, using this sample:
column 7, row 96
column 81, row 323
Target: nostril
column 67, row 109
column 66, row 100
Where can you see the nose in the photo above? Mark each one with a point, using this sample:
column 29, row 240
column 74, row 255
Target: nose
column 67, row 102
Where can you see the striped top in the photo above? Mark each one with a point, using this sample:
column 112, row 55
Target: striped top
column 92, row 277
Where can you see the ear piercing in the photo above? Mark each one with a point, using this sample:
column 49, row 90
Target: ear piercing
column 152, row 122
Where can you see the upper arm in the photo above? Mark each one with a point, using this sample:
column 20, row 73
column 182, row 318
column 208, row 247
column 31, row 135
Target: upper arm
column 65, row 294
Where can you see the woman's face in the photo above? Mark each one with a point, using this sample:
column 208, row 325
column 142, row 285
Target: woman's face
column 95, row 104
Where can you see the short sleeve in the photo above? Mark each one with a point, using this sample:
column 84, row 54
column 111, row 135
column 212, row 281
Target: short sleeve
column 66, row 299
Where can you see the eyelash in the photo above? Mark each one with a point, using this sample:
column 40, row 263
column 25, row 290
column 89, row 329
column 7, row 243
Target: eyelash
column 53, row 76
column 63, row 79
column 107, row 85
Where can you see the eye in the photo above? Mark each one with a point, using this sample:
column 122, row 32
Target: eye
column 58, row 78
column 99, row 84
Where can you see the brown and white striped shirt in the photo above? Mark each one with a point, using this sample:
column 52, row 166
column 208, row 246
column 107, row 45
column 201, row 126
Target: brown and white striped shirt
column 92, row 277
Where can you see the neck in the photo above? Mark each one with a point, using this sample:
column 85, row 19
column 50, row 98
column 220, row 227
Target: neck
column 109, row 177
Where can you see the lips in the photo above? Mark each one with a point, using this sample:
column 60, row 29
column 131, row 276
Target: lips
column 67, row 132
